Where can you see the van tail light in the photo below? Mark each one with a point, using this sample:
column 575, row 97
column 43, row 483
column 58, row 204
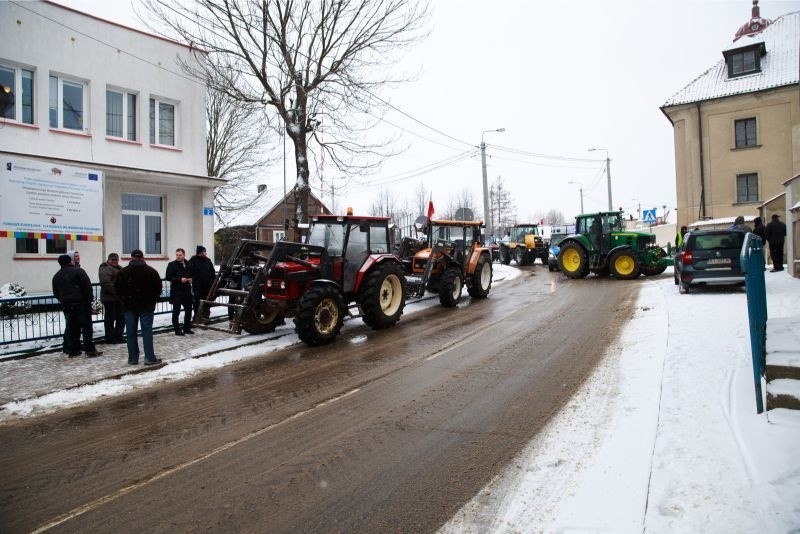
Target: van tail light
column 686, row 257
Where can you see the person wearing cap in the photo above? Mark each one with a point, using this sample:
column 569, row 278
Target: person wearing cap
column 739, row 224
column 113, row 318
column 72, row 288
column 203, row 274
column 776, row 235
column 138, row 288
column 179, row 276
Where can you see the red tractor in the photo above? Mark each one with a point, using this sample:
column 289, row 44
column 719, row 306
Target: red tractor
column 344, row 265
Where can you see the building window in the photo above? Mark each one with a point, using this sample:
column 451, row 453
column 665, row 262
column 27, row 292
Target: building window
column 745, row 133
column 747, row 187
column 121, row 115
column 746, row 60
column 67, row 103
column 16, row 99
column 33, row 246
column 162, row 122
column 142, row 223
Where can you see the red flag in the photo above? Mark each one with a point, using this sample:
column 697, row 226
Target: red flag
column 430, row 208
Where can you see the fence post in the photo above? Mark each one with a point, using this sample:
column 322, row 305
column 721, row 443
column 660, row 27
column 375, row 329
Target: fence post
column 752, row 263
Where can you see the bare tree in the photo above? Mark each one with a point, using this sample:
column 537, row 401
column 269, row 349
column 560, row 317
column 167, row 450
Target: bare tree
column 235, row 151
column 503, row 209
column 386, row 204
column 554, row 216
column 461, row 200
column 306, row 60
column 420, row 200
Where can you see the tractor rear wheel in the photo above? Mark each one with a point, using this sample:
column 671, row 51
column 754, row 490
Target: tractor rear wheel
column 383, row 296
column 520, row 255
column 505, row 255
column 573, row 260
column 450, row 286
column 481, row 279
column 259, row 320
column 623, row 265
column 319, row 315
column 654, row 270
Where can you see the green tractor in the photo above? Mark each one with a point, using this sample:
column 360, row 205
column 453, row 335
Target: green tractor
column 601, row 245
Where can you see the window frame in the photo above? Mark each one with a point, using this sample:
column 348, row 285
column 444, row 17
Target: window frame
column 59, row 101
column 142, row 225
column 41, row 248
column 19, row 92
column 746, row 122
column 154, row 121
column 750, row 190
column 127, row 121
column 737, row 60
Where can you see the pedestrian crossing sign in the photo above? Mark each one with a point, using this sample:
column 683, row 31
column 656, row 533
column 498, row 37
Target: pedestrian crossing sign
column 649, row 216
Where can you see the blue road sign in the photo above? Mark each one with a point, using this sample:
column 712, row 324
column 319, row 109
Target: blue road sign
column 208, row 212
column 649, row 216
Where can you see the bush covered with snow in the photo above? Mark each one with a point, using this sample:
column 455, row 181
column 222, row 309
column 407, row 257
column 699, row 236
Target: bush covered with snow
column 13, row 290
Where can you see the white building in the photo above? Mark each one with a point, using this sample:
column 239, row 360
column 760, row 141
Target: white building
column 81, row 92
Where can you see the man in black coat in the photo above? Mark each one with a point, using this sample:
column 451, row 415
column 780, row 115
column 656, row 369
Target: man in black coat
column 203, row 274
column 179, row 276
column 776, row 234
column 113, row 318
column 138, row 287
column 71, row 286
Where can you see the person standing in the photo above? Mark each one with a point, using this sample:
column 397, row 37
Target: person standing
column 679, row 236
column 203, row 274
column 776, row 234
column 179, row 275
column 138, row 288
column 71, row 286
column 739, row 224
column 113, row 318
column 761, row 231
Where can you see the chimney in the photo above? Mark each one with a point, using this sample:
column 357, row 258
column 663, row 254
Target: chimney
column 261, row 188
column 756, row 11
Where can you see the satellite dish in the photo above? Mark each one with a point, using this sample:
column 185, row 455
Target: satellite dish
column 420, row 223
column 464, row 214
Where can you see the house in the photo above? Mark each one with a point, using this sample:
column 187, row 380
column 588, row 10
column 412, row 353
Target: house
column 102, row 142
column 737, row 126
column 265, row 219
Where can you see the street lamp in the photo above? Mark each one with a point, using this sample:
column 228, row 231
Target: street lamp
column 487, row 215
column 608, row 175
column 580, row 185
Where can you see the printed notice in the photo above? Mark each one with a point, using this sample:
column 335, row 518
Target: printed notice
column 45, row 198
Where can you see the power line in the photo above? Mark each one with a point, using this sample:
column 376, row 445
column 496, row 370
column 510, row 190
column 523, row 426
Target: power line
column 413, row 173
column 543, row 156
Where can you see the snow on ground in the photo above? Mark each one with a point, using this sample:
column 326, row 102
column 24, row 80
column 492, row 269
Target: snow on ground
column 664, row 437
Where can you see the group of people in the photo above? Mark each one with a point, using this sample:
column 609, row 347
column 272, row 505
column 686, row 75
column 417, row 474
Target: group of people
column 129, row 296
column 773, row 233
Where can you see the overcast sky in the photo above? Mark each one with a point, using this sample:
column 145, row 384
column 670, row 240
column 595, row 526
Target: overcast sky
column 560, row 77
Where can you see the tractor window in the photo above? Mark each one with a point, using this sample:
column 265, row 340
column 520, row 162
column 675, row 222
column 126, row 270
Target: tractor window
column 330, row 236
column 357, row 241
column 378, row 239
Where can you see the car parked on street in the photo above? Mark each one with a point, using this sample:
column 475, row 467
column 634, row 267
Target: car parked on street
column 552, row 255
column 709, row 257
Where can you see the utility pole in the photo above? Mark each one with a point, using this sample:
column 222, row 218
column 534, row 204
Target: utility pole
column 487, row 214
column 608, row 175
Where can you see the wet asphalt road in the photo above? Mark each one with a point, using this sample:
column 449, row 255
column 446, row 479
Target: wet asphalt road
column 380, row 431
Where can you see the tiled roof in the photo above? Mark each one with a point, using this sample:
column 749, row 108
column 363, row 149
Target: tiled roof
column 779, row 67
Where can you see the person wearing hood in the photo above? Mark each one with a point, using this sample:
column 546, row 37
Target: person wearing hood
column 739, row 224
column 74, row 257
column 113, row 318
column 72, row 288
column 203, row 274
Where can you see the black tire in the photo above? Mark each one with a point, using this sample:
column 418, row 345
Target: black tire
column 675, row 275
column 259, row 320
column 623, row 265
column 319, row 315
column 520, row 255
column 544, row 258
column 573, row 261
column 450, row 287
column 383, row 296
column 603, row 271
column 481, row 279
column 505, row 255
column 653, row 270
column 683, row 288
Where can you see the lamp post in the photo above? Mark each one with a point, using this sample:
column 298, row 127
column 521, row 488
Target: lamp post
column 580, row 186
column 608, row 176
column 487, row 215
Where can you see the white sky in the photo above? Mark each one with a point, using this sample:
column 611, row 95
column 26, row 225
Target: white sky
column 561, row 77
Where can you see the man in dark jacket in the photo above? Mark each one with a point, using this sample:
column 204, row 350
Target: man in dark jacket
column 113, row 318
column 179, row 276
column 203, row 274
column 71, row 286
column 138, row 287
column 776, row 235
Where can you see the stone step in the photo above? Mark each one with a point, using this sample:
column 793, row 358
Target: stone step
column 783, row 393
column 782, row 370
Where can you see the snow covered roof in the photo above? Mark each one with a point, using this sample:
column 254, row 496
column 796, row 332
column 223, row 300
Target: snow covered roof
column 264, row 203
column 778, row 66
column 722, row 221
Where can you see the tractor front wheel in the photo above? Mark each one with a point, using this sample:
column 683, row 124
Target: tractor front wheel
column 319, row 315
column 573, row 260
column 450, row 287
column 505, row 255
column 383, row 296
column 654, row 270
column 259, row 320
column 623, row 265
column 520, row 255
column 481, row 279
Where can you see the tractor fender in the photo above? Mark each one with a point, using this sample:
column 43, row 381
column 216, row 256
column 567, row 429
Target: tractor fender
column 323, row 282
column 373, row 260
column 625, row 247
column 473, row 260
column 580, row 240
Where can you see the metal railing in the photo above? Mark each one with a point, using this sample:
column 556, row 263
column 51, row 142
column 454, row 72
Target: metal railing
column 752, row 263
column 38, row 318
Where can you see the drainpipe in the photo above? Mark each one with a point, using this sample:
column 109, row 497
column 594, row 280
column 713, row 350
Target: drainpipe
column 702, row 214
